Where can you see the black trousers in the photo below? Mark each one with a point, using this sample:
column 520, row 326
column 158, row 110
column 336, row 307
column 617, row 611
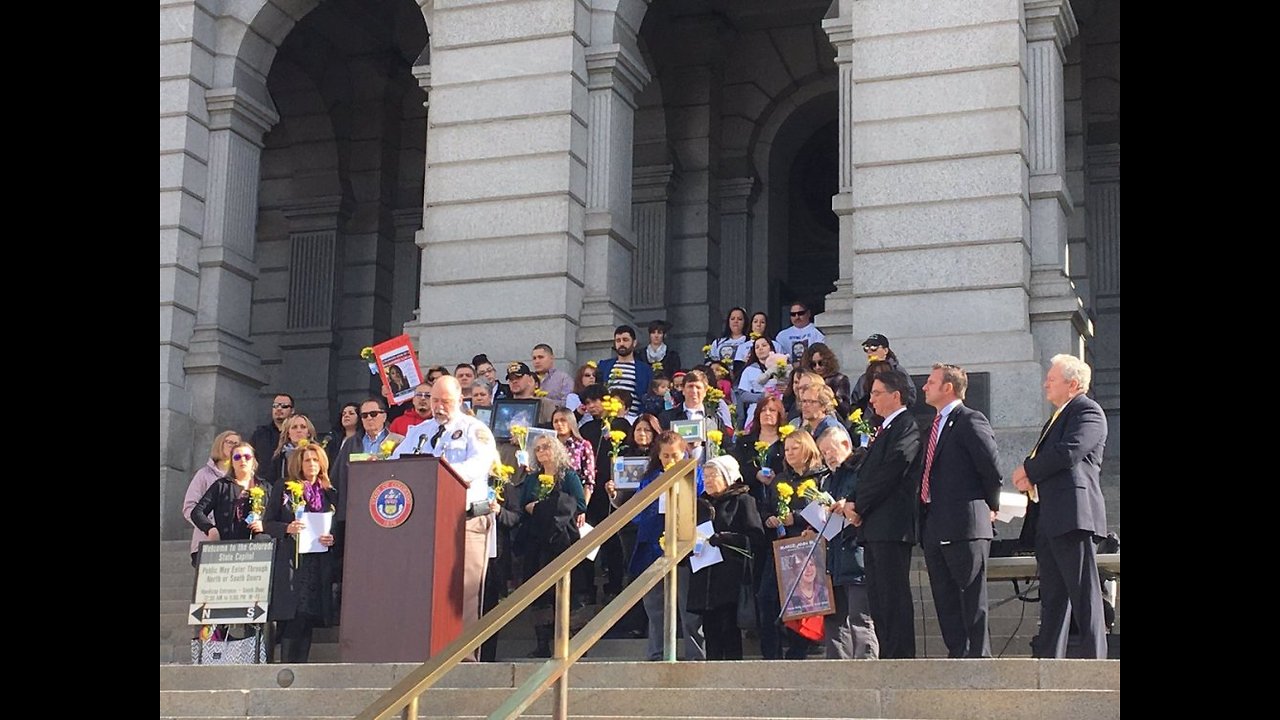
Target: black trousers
column 720, row 629
column 958, row 578
column 1069, row 587
column 888, row 567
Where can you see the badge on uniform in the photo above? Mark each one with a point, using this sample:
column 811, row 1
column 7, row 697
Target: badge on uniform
column 456, row 434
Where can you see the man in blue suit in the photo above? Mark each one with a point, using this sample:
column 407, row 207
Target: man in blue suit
column 626, row 371
column 959, row 493
column 1062, row 472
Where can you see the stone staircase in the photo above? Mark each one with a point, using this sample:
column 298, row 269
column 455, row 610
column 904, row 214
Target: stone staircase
column 955, row 689
column 1013, row 622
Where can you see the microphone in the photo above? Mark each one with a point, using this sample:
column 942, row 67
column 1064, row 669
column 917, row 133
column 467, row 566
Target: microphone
column 417, row 449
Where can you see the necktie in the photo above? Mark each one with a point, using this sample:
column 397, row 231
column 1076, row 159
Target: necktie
column 928, row 457
column 436, row 438
column 1046, row 430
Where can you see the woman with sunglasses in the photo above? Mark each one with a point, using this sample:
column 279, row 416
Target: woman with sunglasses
column 228, row 499
column 879, row 357
column 205, row 477
column 585, row 376
column 820, row 359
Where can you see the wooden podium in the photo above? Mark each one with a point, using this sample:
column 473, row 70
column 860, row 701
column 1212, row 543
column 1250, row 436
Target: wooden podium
column 402, row 566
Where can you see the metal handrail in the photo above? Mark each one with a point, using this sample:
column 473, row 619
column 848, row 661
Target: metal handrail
column 678, row 483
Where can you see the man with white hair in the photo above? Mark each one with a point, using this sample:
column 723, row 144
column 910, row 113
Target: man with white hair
column 468, row 445
column 1062, row 472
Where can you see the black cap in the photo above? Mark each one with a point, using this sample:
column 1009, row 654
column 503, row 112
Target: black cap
column 877, row 340
column 517, row 368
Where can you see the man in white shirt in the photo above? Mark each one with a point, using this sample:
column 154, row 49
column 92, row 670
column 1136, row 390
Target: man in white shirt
column 802, row 332
column 468, row 446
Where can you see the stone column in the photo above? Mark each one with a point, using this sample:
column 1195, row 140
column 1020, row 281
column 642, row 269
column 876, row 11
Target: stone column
column 1104, row 236
column 223, row 371
column 614, row 77
column 836, row 320
column 736, row 266
column 651, row 188
column 1057, row 318
column 505, row 182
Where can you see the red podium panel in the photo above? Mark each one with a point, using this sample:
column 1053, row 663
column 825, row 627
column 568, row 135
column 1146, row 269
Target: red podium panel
column 402, row 566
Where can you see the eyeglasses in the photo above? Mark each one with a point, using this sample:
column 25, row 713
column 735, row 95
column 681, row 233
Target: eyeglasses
column 810, row 402
column 241, row 456
column 280, row 406
column 870, row 348
column 231, row 441
column 882, row 392
column 370, row 414
column 798, row 313
column 817, row 362
column 423, row 395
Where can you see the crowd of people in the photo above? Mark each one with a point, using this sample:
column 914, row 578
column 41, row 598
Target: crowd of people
column 777, row 415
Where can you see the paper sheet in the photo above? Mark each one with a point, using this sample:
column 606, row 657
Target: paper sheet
column 582, row 532
column 1012, row 505
column 704, row 553
column 816, row 514
column 313, row 526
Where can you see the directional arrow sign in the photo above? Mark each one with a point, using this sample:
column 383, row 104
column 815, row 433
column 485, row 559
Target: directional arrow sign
column 212, row 614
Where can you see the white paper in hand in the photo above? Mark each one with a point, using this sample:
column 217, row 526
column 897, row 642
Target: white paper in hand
column 582, row 532
column 1012, row 505
column 816, row 514
column 313, row 526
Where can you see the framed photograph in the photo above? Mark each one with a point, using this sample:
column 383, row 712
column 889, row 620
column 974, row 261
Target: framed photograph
column 510, row 411
column 398, row 367
column 629, row 471
column 812, row 595
column 535, row 433
column 484, row 414
column 798, row 349
column 691, row 430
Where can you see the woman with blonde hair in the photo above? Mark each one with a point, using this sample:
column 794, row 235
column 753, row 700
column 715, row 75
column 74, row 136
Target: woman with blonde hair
column 301, row 595
column 217, row 466
column 552, row 509
column 296, row 429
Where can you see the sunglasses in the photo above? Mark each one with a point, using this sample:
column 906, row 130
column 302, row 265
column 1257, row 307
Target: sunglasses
column 241, row 456
column 870, row 348
column 371, row 414
column 423, row 395
column 281, row 406
column 798, row 314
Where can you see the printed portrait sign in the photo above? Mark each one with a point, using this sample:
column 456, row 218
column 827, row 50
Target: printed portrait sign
column 812, row 595
column 398, row 368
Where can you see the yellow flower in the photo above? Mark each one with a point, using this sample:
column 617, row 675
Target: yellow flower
column 367, row 354
column 706, row 349
column 806, row 486
column 540, row 393
column 754, row 335
column 856, row 416
column 667, row 466
column 546, row 481
column 871, row 359
column 519, row 431
column 617, row 436
column 782, row 362
column 662, row 542
column 786, row 430
column 615, row 372
column 715, row 436
column 657, row 367
column 303, row 442
column 256, row 492
column 761, row 446
column 785, row 491
column 388, row 446
column 592, row 364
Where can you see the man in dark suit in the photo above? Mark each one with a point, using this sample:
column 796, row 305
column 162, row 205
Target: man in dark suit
column 695, row 392
column 959, row 490
column 1062, row 473
column 884, row 509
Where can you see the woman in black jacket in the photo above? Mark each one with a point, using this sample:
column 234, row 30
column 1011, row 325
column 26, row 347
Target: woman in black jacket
column 231, row 500
column 820, row 359
column 552, row 512
column 301, row 596
column 714, row 590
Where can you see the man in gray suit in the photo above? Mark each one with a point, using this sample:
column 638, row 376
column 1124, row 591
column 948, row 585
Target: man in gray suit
column 1062, row 472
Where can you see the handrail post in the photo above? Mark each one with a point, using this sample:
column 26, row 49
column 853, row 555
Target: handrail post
column 560, row 649
column 669, row 606
column 411, row 710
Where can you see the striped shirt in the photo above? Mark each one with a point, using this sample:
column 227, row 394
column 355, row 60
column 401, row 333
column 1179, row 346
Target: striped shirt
column 623, row 376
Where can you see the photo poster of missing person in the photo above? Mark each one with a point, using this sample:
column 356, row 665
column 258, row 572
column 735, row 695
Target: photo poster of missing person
column 398, row 368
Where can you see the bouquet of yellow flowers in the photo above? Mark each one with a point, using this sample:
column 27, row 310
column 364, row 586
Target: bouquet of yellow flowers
column 785, row 430
column 615, row 439
column 612, row 407
column 711, row 403
column 809, row 491
column 545, row 484
column 257, row 503
column 387, row 447
column 502, row 475
column 520, row 434
column 592, row 364
column 540, row 393
column 762, row 453
column 859, row 424
column 776, row 367
column 706, row 351
column 369, row 357
column 715, row 437
column 785, row 493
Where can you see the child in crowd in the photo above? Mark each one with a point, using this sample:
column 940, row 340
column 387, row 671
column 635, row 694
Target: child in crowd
column 659, row 396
